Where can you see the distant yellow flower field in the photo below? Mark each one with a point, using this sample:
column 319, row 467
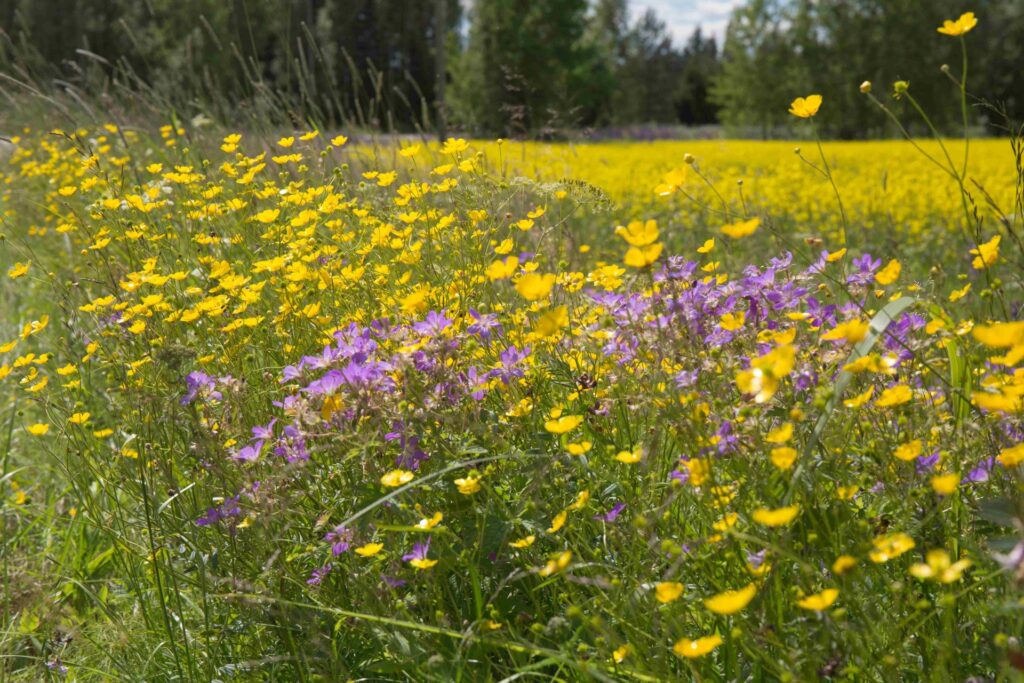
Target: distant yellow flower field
column 884, row 184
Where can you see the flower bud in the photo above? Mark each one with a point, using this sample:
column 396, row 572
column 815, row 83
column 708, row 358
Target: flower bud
column 865, row 87
column 689, row 158
column 900, row 87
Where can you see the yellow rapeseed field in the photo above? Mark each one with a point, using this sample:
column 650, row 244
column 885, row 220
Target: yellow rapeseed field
column 886, row 185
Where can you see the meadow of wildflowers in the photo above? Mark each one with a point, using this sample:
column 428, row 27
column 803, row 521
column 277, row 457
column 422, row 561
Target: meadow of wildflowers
column 296, row 408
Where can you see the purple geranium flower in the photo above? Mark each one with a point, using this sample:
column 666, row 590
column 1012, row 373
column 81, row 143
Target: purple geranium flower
column 612, row 514
column 755, row 560
column 434, row 324
column 250, row 453
column 419, row 551
column 392, row 582
column 226, row 510
column 319, row 573
column 981, row 472
column 865, row 269
column 510, row 358
column 200, row 385
column 484, row 325
column 340, row 539
column 925, row 463
column 264, row 432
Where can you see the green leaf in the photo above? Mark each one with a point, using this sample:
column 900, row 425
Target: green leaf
column 29, row 622
column 99, row 560
column 879, row 323
column 999, row 511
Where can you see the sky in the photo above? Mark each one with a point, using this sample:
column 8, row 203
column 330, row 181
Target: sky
column 682, row 16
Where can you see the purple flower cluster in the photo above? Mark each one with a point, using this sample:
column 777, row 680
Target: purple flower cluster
column 200, row 386
column 226, row 511
column 370, row 377
column 687, row 309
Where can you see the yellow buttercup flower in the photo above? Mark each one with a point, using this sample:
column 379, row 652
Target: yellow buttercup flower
column 780, row 434
column 1000, row 335
column 958, row 294
column 639, row 233
column 945, row 484
column 727, row 522
column 563, row 424
column 534, row 286
column 38, row 429
column 671, row 182
column 468, row 486
column 370, row 549
column 454, row 146
column 422, row 563
column 1012, row 456
column 860, row 399
column 267, row 215
column 850, row 331
column 890, row 547
column 766, row 372
column 578, row 448
column 524, row 542
column 805, row 107
column 556, row 564
column 691, row 649
column 846, row 492
column 699, row 470
column 431, row 522
column 731, row 602
column 397, row 478
column 777, row 517
column 581, row 500
column 558, row 522
column 630, row 457
column 962, row 25
column 909, row 451
column 17, row 270
column 888, row 274
column 741, row 229
column 819, row 601
column 642, row 257
column 501, row 269
column 843, row 564
column 894, row 396
column 986, row 254
column 783, row 457
column 552, row 322
column 668, row 591
column 731, row 322
column 939, row 567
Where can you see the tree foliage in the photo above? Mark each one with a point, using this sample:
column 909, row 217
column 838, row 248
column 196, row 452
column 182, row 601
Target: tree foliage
column 776, row 50
column 519, row 67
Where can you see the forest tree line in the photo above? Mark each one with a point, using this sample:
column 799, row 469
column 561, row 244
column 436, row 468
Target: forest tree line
column 519, row 67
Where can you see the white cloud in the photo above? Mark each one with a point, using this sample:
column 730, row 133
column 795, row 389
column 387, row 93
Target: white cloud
column 681, row 17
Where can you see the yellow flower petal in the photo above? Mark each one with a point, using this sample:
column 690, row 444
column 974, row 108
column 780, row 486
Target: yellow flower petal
column 731, row 602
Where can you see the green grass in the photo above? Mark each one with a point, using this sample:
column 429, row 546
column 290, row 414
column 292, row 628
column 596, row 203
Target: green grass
column 105, row 570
